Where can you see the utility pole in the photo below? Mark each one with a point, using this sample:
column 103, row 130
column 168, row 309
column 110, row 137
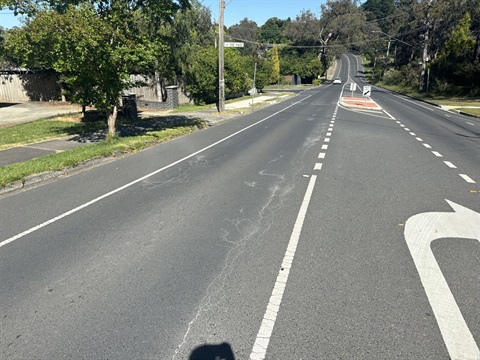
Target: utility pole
column 221, row 54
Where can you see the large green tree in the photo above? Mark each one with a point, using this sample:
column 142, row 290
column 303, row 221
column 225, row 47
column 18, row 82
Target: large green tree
column 93, row 45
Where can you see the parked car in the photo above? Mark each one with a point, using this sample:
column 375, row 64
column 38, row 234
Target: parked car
column 337, row 80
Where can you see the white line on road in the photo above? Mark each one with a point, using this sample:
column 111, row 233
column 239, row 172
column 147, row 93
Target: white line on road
column 402, row 125
column 326, row 140
column 469, row 123
column 330, row 129
column 407, row 129
column 450, row 165
column 467, row 178
column 419, row 139
column 329, row 134
column 427, row 146
column 321, row 156
column 413, row 134
column 318, row 166
column 436, row 153
column 260, row 346
column 391, row 117
column 91, row 202
column 324, row 147
column 420, row 231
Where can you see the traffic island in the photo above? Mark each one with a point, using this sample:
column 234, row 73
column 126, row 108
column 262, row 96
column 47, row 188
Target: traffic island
column 359, row 103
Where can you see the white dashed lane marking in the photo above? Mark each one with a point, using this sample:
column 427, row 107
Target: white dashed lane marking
column 324, row 147
column 321, row 156
column 467, row 178
column 318, row 166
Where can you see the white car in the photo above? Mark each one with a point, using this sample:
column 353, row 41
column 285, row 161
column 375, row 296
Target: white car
column 337, row 80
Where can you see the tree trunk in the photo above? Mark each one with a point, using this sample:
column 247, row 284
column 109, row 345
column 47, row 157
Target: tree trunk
column 112, row 119
column 424, row 61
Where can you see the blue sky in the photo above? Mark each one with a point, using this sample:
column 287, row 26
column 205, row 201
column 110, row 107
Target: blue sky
column 257, row 10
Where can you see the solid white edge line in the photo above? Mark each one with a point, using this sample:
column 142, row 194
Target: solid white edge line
column 467, row 178
column 262, row 340
column 450, row 165
column 91, row 202
column 391, row 117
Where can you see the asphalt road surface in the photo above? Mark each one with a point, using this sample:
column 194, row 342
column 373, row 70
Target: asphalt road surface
column 305, row 230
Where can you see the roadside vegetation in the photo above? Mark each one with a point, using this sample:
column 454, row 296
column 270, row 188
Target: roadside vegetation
column 429, row 49
column 137, row 137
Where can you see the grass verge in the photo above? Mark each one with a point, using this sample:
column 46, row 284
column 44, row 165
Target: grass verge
column 70, row 158
column 45, row 129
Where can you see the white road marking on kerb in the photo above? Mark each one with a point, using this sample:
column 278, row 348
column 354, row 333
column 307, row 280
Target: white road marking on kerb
column 260, row 347
column 91, row 202
column 450, row 165
column 420, row 231
column 467, row 178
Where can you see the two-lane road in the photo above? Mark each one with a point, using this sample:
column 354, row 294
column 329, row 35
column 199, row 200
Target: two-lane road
column 280, row 235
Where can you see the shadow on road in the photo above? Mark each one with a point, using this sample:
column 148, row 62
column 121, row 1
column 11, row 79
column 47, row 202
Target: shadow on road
column 212, row 352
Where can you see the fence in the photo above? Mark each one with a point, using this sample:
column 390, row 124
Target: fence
column 41, row 87
column 28, row 87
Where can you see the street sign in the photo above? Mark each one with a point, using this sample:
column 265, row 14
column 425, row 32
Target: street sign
column 367, row 90
column 353, row 86
column 234, row 44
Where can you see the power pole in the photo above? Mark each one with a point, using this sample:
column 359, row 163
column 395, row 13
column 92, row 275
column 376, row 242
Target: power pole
column 221, row 54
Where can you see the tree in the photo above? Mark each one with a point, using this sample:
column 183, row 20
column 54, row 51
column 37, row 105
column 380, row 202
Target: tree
column 275, row 65
column 94, row 56
column 304, row 30
column 245, row 31
column 456, row 62
column 272, row 32
column 202, row 75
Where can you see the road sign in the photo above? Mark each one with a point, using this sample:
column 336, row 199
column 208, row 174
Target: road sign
column 420, row 231
column 367, row 90
column 234, row 44
column 353, row 86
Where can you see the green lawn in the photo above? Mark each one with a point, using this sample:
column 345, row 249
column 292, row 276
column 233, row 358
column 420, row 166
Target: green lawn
column 157, row 132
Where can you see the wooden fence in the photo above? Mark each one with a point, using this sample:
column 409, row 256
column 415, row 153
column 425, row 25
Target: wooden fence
column 35, row 87
column 28, row 87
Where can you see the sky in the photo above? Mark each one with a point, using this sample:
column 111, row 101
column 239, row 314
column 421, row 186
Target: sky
column 236, row 10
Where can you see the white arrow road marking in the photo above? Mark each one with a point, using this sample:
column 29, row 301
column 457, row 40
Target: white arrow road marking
column 420, row 231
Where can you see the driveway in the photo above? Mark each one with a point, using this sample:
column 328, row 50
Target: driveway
column 18, row 113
